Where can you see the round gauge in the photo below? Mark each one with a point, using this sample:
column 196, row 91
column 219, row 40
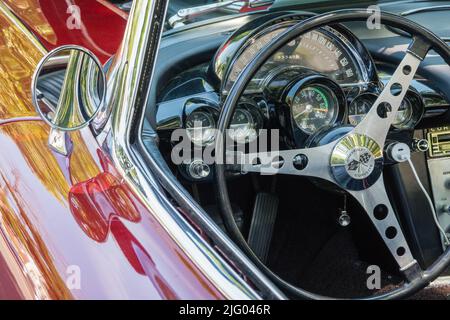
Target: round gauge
column 314, row 107
column 243, row 127
column 404, row 114
column 200, row 128
column 359, row 107
column 250, row 51
column 324, row 50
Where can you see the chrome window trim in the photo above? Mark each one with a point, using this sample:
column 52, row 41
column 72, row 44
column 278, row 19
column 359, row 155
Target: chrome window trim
column 129, row 79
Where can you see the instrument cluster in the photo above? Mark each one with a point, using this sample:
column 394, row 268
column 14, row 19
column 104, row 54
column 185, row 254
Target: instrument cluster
column 322, row 79
column 302, row 83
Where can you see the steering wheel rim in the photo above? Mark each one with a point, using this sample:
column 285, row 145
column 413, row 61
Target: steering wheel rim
column 423, row 41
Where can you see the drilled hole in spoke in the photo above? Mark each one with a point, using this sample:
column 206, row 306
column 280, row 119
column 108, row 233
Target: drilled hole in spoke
column 300, row 161
column 277, row 162
column 383, row 109
column 401, row 251
column 256, row 162
column 391, row 232
column 407, row 70
column 396, row 89
column 380, row 212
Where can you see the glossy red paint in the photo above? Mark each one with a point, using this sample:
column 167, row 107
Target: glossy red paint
column 63, row 217
column 94, row 203
column 97, row 227
column 54, row 22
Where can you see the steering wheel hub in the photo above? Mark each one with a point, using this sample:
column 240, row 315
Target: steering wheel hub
column 356, row 162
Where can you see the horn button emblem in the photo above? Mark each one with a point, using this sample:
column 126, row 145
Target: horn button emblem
column 356, row 162
column 360, row 163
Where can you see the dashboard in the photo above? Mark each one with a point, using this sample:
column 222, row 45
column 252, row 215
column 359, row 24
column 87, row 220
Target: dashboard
column 324, row 78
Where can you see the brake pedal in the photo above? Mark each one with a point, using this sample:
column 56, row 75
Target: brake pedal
column 263, row 221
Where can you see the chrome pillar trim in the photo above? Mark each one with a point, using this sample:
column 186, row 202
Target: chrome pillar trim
column 128, row 83
column 101, row 124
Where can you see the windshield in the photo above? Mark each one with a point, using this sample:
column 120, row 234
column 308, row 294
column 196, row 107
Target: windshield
column 184, row 12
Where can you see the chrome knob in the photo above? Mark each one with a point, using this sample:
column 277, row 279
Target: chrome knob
column 421, row 145
column 198, row 169
column 344, row 219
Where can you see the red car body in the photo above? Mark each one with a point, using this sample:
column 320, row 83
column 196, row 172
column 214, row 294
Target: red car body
column 62, row 215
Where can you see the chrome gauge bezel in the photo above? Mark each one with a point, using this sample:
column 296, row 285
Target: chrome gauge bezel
column 412, row 98
column 354, row 50
column 248, row 43
column 288, row 98
column 405, row 108
column 331, row 101
column 417, row 108
column 367, row 96
column 189, row 131
column 209, row 109
column 255, row 122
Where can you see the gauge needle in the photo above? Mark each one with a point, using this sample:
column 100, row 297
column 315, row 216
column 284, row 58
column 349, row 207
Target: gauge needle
column 308, row 109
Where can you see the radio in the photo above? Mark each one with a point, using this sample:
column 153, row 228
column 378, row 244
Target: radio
column 439, row 140
column 439, row 172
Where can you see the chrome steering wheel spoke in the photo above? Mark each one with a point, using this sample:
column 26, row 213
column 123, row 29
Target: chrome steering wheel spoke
column 379, row 209
column 355, row 162
column 311, row 162
column 378, row 120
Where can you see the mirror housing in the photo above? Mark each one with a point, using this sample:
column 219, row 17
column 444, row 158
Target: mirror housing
column 68, row 88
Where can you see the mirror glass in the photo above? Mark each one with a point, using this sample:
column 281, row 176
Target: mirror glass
column 69, row 87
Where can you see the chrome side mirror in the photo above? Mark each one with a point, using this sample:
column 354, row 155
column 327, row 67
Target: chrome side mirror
column 69, row 88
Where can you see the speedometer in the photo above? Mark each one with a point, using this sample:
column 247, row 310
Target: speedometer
column 324, row 51
column 249, row 52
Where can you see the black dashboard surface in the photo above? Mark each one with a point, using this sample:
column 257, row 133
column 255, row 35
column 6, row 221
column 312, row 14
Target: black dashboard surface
column 185, row 48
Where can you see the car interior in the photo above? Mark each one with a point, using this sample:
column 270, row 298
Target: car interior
column 310, row 233
column 313, row 235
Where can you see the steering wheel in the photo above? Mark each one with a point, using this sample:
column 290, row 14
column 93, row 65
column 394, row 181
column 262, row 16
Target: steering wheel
column 366, row 141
